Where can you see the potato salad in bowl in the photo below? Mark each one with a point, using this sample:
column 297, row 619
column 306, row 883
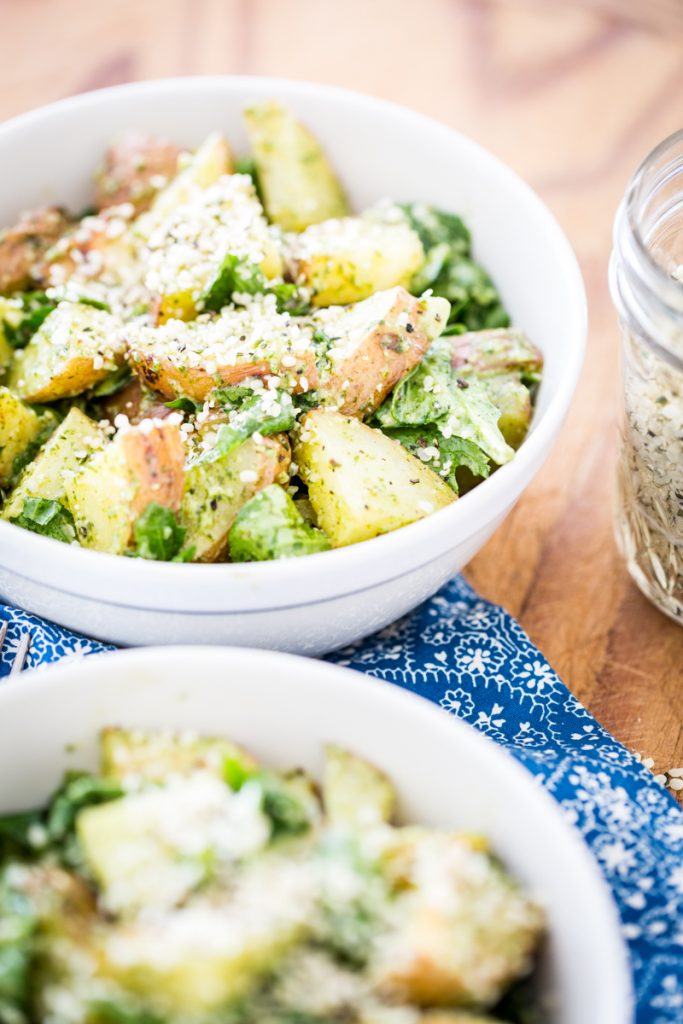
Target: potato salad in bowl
column 187, row 882
column 220, row 361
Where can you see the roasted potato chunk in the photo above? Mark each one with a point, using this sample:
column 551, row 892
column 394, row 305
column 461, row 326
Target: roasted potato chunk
column 23, row 248
column 194, row 359
column 75, row 348
column 513, row 399
column 71, row 445
column 98, row 251
column 508, row 364
column 373, row 344
column 503, row 350
column 216, row 491
column 296, row 179
column 214, row 953
column 135, row 168
column 355, row 793
column 154, row 756
column 464, row 930
column 20, row 427
column 347, row 259
column 141, row 465
column 361, row 483
column 139, row 863
column 203, row 168
column 11, row 315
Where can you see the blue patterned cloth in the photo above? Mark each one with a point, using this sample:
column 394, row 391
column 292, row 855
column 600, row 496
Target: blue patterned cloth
column 473, row 659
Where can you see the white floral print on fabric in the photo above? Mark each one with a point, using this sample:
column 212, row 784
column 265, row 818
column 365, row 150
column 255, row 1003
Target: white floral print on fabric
column 473, row 659
column 49, row 642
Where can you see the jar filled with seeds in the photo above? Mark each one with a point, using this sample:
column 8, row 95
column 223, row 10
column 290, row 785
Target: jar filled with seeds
column 646, row 280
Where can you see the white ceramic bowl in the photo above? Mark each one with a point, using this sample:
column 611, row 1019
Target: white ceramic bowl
column 283, row 708
column 320, row 602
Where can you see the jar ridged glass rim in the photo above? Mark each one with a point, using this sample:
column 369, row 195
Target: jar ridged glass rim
column 671, row 284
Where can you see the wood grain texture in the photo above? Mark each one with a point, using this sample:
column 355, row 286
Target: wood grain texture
column 572, row 95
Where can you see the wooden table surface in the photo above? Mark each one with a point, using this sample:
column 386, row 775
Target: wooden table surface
column 572, row 95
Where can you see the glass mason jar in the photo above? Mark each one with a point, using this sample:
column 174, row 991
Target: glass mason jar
column 646, row 281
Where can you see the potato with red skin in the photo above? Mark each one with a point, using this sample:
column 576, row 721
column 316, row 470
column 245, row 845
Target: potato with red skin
column 500, row 350
column 74, row 349
column 24, row 245
column 168, row 377
column 134, row 170
column 214, row 492
column 143, row 464
column 155, row 459
column 376, row 343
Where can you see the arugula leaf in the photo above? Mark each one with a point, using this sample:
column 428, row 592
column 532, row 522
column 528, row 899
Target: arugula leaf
column 57, row 821
column 270, row 526
column 19, row 924
column 437, row 227
column 451, row 452
column 424, row 395
column 462, row 408
column 247, row 165
column 474, row 299
column 47, row 517
column 450, row 271
column 253, row 414
column 15, row 829
column 475, row 417
column 520, row 1004
column 238, row 275
column 158, row 534
column 289, row 299
column 281, row 802
column 231, row 396
column 185, row 554
column 35, row 307
column 184, row 404
column 234, row 275
column 79, row 790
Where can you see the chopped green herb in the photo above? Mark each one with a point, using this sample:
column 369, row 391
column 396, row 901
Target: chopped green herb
column 36, row 307
column 47, row 517
column 254, row 414
column 450, row 271
column 237, row 276
column 450, row 453
column 184, row 404
column 158, row 534
column 19, row 923
column 246, row 165
column 434, row 394
column 271, row 526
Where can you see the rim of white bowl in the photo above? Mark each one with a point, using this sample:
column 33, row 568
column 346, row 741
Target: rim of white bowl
column 481, row 505
column 375, row 693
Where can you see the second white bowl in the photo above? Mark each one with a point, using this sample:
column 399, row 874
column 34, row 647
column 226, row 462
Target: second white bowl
column 284, row 709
